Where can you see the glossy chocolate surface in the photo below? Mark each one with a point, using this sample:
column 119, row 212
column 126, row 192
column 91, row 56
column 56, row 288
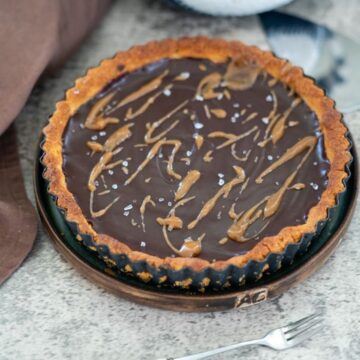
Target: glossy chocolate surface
column 217, row 108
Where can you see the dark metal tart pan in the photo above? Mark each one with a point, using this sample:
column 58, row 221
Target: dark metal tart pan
column 232, row 277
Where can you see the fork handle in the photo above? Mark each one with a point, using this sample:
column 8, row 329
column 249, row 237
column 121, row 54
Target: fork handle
column 209, row 353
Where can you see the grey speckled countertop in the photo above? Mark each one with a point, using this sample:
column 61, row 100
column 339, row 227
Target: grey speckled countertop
column 49, row 311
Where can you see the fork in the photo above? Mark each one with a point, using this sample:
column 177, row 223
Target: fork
column 278, row 339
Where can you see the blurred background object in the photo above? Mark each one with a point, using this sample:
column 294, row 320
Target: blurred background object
column 331, row 58
column 227, row 7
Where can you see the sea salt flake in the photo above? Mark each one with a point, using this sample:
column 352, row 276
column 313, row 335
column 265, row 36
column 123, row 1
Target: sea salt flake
column 220, row 175
column 199, row 98
column 188, row 153
column 126, row 213
column 199, row 125
column 220, row 96
column 185, row 75
column 94, row 137
column 236, row 105
column 269, row 98
column 82, row 126
column 143, row 244
column 314, row 186
column 269, row 157
column 265, row 120
column 169, row 203
column 236, row 115
column 161, row 199
column 102, row 133
column 114, row 186
column 167, row 92
column 221, row 182
column 315, row 163
column 125, row 163
column 233, row 120
column 128, row 207
column 111, row 172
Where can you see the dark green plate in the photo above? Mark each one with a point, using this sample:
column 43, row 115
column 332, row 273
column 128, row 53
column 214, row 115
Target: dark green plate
column 269, row 286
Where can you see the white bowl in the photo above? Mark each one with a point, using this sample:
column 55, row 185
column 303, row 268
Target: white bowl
column 230, row 7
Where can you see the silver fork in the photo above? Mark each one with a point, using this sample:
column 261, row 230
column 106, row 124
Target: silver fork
column 277, row 339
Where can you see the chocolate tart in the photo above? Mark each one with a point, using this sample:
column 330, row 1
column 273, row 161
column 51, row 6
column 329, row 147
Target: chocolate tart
column 193, row 162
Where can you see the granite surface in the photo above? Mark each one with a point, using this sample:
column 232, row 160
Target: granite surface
column 49, row 311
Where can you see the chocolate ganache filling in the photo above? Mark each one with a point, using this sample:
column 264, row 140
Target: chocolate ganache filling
column 186, row 157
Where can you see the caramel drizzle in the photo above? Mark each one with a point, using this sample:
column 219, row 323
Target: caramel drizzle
column 114, row 140
column 94, row 146
column 105, row 192
column 207, row 85
column 207, row 111
column 186, row 160
column 227, row 94
column 151, row 154
column 298, row 186
column 182, row 77
column 277, row 123
column 113, row 164
column 185, row 185
column 202, row 67
column 237, row 231
column 243, row 158
column 130, row 114
column 95, row 120
column 224, row 241
column 219, row 113
column 222, row 192
column 241, row 75
column 149, row 139
column 232, row 138
column 275, row 104
column 207, row 157
column 272, row 202
column 172, row 222
column 232, row 214
column 98, row 169
column 272, row 82
column 142, row 91
column 147, row 200
column 279, row 128
column 250, row 117
column 101, row 212
column 118, row 137
column 199, row 141
column 190, row 248
column 308, row 142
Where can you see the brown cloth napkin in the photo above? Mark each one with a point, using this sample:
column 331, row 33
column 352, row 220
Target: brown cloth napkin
column 35, row 35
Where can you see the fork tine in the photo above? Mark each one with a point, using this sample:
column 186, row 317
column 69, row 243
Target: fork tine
column 302, row 326
column 304, row 320
column 305, row 335
column 304, row 330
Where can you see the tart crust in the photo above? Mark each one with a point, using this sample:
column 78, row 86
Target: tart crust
column 217, row 50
